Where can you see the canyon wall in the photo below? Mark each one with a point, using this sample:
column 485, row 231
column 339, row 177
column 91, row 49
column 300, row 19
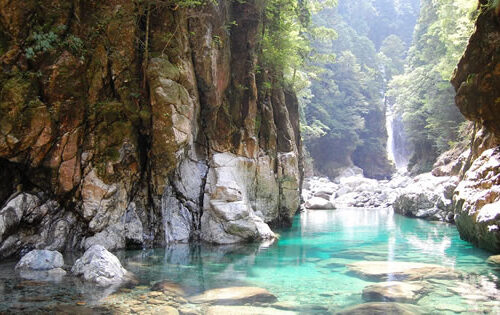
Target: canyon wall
column 477, row 82
column 140, row 124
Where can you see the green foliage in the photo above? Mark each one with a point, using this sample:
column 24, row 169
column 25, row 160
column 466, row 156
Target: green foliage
column 42, row 42
column 422, row 93
column 286, row 39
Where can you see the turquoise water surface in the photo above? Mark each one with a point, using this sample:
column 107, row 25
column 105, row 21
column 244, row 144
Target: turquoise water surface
column 307, row 266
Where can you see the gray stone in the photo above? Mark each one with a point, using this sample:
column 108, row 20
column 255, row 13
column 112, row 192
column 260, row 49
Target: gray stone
column 41, row 260
column 15, row 209
column 319, row 203
column 225, row 221
column 99, row 266
column 428, row 197
column 177, row 220
column 477, row 202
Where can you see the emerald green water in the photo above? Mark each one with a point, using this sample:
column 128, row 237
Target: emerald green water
column 307, row 266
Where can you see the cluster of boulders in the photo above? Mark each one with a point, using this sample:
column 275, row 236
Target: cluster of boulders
column 427, row 196
column 352, row 189
column 97, row 265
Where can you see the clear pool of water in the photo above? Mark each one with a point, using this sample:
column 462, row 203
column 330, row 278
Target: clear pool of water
column 308, row 265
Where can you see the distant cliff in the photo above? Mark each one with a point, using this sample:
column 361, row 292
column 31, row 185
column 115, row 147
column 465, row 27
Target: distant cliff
column 477, row 82
column 138, row 124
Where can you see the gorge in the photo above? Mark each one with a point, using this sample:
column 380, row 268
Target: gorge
column 253, row 157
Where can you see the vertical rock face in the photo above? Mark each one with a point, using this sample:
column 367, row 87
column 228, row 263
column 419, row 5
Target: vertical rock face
column 138, row 125
column 477, row 82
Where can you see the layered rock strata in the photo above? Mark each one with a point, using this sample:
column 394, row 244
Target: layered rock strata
column 140, row 124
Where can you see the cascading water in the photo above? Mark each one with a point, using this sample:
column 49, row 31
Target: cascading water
column 397, row 144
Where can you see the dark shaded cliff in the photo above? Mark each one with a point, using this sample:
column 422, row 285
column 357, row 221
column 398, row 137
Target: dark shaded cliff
column 134, row 124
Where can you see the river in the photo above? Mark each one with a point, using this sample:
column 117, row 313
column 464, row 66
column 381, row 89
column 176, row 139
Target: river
column 307, row 267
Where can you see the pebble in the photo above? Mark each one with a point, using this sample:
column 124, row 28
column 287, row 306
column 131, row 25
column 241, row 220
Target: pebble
column 155, row 301
column 155, row 294
column 137, row 309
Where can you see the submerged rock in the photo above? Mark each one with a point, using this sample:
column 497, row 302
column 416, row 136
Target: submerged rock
column 477, row 202
column 168, row 286
column 99, row 266
column 394, row 291
column 382, row 309
column 234, row 295
column 245, row 310
column 399, row 270
column 494, row 260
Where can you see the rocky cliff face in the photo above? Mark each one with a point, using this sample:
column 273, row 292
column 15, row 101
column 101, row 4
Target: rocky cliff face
column 477, row 82
column 139, row 124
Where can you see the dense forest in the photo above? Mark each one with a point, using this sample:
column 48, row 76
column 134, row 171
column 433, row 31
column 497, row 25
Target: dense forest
column 345, row 108
column 365, row 67
column 423, row 94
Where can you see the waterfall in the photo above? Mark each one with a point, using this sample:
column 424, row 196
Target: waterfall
column 397, row 144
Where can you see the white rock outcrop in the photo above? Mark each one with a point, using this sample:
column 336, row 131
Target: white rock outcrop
column 99, row 266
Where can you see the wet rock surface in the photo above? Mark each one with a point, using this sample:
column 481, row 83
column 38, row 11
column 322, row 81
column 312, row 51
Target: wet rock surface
column 394, row 291
column 397, row 270
column 382, row 308
column 234, row 295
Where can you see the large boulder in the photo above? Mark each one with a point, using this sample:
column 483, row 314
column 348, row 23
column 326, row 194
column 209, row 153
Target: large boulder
column 477, row 202
column 228, row 216
column 394, row 291
column 318, row 203
column 99, row 266
column 234, row 295
column 428, row 197
column 400, row 270
column 30, row 221
column 41, row 260
column 41, row 265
